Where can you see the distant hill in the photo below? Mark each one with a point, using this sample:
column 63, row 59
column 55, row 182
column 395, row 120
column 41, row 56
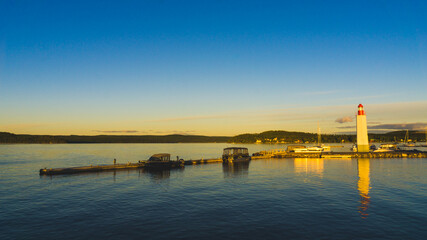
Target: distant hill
column 303, row 137
column 264, row 137
column 289, row 137
column 6, row 137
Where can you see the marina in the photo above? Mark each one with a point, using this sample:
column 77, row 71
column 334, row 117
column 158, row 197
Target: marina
column 229, row 158
column 232, row 155
column 395, row 154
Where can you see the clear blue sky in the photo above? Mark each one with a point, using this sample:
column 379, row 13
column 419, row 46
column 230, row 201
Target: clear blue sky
column 209, row 67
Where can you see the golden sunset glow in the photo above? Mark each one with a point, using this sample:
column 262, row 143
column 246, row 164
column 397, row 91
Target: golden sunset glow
column 308, row 165
column 218, row 122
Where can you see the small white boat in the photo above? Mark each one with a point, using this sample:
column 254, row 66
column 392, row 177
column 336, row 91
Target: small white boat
column 309, row 150
column 387, row 148
column 315, row 149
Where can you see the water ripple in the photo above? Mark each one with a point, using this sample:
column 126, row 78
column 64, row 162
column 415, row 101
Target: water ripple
column 267, row 199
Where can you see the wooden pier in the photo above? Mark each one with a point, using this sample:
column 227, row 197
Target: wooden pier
column 276, row 154
column 203, row 161
column 97, row 168
column 112, row 167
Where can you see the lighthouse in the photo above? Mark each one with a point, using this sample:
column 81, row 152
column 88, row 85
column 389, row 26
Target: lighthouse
column 362, row 130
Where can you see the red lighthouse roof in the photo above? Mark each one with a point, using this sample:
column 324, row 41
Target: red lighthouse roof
column 361, row 111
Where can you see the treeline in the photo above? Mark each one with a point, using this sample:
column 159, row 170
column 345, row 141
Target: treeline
column 176, row 138
column 289, row 137
column 399, row 136
column 264, row 137
column 302, row 137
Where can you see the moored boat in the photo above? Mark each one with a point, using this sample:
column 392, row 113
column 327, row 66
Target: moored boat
column 309, row 150
column 235, row 154
column 388, row 147
column 163, row 161
column 314, row 149
column 304, row 149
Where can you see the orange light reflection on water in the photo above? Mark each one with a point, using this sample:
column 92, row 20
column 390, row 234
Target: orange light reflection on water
column 363, row 185
column 309, row 165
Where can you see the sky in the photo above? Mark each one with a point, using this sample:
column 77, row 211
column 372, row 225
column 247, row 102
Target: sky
column 211, row 67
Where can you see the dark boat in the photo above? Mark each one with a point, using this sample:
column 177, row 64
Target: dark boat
column 235, row 154
column 163, row 161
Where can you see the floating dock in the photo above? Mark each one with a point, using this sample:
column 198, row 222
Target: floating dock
column 113, row 167
column 97, row 168
column 203, row 161
column 260, row 155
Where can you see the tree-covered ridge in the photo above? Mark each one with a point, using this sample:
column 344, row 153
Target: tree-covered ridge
column 264, row 137
column 303, row 137
column 176, row 138
column 288, row 137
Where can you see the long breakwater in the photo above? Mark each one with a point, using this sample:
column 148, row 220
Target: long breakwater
column 260, row 155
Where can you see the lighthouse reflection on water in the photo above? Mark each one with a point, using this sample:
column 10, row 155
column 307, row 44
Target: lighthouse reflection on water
column 316, row 166
column 363, row 185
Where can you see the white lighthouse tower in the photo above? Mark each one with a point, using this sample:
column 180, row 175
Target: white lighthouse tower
column 362, row 130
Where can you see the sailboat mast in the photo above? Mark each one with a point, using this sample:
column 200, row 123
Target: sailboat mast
column 319, row 138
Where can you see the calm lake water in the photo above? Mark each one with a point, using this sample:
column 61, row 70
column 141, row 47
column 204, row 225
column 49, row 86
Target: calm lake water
column 265, row 199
